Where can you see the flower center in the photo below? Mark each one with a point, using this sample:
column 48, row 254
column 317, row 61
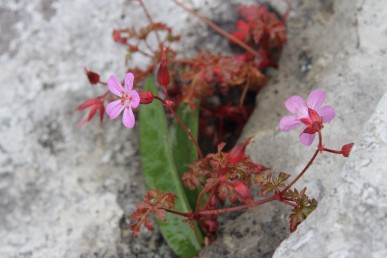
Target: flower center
column 126, row 99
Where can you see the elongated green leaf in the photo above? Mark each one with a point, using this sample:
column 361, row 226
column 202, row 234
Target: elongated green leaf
column 183, row 149
column 160, row 173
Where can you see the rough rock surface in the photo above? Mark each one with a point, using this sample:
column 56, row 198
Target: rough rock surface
column 334, row 45
column 64, row 190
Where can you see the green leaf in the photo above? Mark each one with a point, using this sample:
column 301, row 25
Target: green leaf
column 183, row 149
column 160, row 173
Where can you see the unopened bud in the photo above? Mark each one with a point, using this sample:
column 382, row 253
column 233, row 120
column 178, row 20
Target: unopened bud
column 146, row 97
column 162, row 73
column 92, row 76
column 243, row 193
column 346, row 149
column 117, row 37
column 236, row 154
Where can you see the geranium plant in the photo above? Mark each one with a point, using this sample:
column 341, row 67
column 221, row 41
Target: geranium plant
column 192, row 180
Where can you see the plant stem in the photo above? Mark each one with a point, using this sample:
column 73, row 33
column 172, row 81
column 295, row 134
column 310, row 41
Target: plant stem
column 301, row 173
column 307, row 165
column 188, row 132
column 238, row 208
column 218, row 29
column 184, row 214
column 202, row 192
column 182, row 126
column 333, row 151
column 149, row 19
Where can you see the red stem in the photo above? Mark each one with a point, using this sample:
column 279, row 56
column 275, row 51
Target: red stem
column 199, row 199
column 238, row 208
column 307, row 165
column 182, row 126
column 333, row 151
column 150, row 20
column 218, row 29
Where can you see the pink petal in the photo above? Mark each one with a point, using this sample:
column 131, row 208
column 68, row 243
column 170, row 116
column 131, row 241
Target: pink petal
column 288, row 123
column 327, row 113
column 307, row 138
column 115, row 86
column 129, row 77
column 128, row 118
column 135, row 98
column 316, row 98
column 297, row 106
column 113, row 109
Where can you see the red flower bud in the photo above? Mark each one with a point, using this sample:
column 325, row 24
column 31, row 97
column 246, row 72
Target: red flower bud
column 243, row 193
column 236, row 154
column 146, row 97
column 92, row 76
column 346, row 149
column 162, row 73
column 117, row 37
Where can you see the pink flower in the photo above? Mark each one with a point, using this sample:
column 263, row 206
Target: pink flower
column 310, row 115
column 128, row 99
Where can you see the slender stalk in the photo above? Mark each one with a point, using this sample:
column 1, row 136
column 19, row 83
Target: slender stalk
column 333, row 151
column 307, row 165
column 202, row 192
column 218, row 29
column 149, row 19
column 144, row 53
column 301, row 173
column 208, row 200
column 289, row 203
column 182, row 126
column 238, row 208
column 188, row 132
column 184, row 214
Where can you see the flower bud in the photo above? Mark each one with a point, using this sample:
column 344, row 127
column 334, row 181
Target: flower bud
column 146, row 97
column 162, row 73
column 117, row 37
column 243, row 193
column 92, row 76
column 236, row 154
column 346, row 149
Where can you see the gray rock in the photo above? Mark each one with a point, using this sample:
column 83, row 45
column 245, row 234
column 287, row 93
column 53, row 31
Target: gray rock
column 334, row 45
column 64, row 190
column 351, row 219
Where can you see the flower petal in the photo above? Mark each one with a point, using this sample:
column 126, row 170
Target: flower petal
column 113, row 109
column 293, row 103
column 115, row 86
column 327, row 113
column 288, row 123
column 316, row 98
column 129, row 78
column 306, row 138
column 128, row 118
column 297, row 106
column 135, row 98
